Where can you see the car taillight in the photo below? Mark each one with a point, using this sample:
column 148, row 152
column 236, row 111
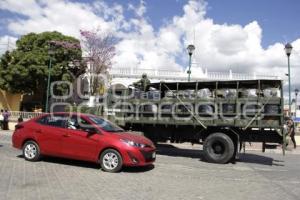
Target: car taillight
column 18, row 126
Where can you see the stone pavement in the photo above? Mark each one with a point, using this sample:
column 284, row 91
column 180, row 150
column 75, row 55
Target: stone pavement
column 177, row 174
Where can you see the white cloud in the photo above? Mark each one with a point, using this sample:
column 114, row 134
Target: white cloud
column 7, row 43
column 64, row 16
column 142, row 49
column 139, row 10
column 229, row 40
column 219, row 47
column 25, row 7
column 169, row 40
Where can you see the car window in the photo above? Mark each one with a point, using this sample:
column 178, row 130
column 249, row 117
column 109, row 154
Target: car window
column 78, row 123
column 53, row 120
column 42, row 120
column 106, row 125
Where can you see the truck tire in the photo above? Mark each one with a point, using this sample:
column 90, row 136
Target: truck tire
column 218, row 148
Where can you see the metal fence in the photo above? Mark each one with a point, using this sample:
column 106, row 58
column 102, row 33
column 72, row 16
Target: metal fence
column 14, row 115
column 181, row 75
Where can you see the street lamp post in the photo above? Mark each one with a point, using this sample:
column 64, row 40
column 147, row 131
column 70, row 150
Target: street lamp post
column 296, row 95
column 50, row 53
column 190, row 49
column 288, row 50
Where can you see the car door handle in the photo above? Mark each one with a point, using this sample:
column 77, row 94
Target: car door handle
column 66, row 135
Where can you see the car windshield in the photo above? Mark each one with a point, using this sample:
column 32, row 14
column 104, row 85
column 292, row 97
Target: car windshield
column 105, row 125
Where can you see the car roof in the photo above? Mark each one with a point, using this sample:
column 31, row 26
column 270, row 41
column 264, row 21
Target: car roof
column 69, row 113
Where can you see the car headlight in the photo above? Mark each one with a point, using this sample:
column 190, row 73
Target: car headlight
column 133, row 144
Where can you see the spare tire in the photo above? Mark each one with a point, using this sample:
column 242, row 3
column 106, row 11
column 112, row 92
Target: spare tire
column 218, row 148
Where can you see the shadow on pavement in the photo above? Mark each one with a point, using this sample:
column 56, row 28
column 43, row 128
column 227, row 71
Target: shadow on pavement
column 1, row 145
column 91, row 165
column 170, row 150
column 76, row 163
column 271, row 146
column 259, row 159
column 138, row 169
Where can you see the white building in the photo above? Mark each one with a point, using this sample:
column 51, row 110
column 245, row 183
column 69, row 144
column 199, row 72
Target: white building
column 126, row 76
column 121, row 77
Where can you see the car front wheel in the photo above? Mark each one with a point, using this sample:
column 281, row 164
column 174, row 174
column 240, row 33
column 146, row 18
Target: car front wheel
column 31, row 151
column 111, row 161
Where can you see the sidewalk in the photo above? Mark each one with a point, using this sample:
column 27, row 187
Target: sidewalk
column 6, row 132
column 270, row 148
column 9, row 131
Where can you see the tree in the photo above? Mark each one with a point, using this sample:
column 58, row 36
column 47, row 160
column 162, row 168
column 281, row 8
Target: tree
column 5, row 60
column 100, row 49
column 25, row 69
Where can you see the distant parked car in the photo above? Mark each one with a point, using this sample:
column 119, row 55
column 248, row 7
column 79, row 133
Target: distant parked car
column 82, row 137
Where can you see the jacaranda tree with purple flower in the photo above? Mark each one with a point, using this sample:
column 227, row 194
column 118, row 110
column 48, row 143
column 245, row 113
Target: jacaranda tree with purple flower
column 99, row 49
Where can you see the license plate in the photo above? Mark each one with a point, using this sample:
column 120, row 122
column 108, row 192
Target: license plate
column 153, row 155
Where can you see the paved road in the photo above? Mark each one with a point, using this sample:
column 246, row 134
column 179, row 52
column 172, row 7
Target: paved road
column 177, row 174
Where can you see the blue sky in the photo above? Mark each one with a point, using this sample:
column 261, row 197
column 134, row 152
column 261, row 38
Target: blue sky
column 278, row 18
column 245, row 36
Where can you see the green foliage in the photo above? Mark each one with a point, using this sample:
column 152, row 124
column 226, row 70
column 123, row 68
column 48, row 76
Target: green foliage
column 25, row 70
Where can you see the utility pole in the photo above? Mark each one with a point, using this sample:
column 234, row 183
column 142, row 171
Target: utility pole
column 190, row 49
column 288, row 50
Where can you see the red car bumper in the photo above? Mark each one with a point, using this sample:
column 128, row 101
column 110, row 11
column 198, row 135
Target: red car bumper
column 139, row 157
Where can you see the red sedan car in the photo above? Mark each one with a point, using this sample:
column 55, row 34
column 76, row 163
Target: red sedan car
column 82, row 137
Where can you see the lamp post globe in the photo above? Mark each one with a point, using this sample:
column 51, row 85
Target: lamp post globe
column 288, row 50
column 191, row 48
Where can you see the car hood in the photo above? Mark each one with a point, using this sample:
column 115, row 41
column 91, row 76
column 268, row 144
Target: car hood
column 134, row 137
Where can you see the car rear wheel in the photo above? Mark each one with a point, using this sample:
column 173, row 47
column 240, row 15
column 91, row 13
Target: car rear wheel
column 111, row 161
column 218, row 148
column 31, row 151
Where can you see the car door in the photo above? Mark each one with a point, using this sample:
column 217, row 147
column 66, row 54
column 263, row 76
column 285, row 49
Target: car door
column 78, row 143
column 49, row 132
